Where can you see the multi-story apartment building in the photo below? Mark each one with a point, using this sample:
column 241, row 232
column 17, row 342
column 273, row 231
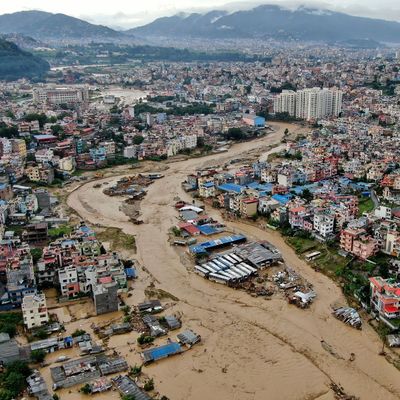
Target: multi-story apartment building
column 19, row 147
column 34, row 310
column 324, row 224
column 312, row 103
column 385, row 298
column 69, row 284
column 358, row 243
column 286, row 102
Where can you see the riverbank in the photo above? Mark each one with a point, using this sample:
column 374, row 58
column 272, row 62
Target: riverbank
column 252, row 348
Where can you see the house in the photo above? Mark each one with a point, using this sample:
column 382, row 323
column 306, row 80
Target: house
column 188, row 338
column 358, row 243
column 105, row 296
column 68, row 279
column 385, row 298
column 248, row 207
column 127, row 387
column 207, row 189
column 35, row 233
column 296, row 216
column 10, row 350
column 324, row 224
column 254, row 120
column 34, row 310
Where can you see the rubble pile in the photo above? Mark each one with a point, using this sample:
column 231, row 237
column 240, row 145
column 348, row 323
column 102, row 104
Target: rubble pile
column 349, row 316
column 297, row 290
column 130, row 185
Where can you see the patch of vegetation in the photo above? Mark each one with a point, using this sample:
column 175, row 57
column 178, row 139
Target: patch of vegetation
column 136, row 370
column 16, row 63
column 365, row 204
column 36, row 254
column 86, row 389
column 9, row 322
column 149, row 385
column 301, row 245
column 40, row 334
column 38, row 356
column 144, row 339
column 55, row 233
column 117, row 239
column 128, row 397
column 160, row 294
column 176, row 231
column 78, row 332
column 13, row 380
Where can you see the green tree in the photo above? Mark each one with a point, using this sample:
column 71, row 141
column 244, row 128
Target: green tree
column 136, row 370
column 41, row 334
column 15, row 382
column 36, row 117
column 38, row 356
column 307, row 195
column 57, row 130
column 36, row 254
column 149, row 385
column 138, row 139
column 128, row 397
column 86, row 389
column 234, row 134
column 143, row 339
column 78, row 332
column 8, row 131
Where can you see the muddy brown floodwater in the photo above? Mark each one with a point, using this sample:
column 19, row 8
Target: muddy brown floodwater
column 252, row 349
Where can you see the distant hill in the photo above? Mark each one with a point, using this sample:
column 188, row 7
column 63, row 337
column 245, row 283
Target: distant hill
column 16, row 63
column 45, row 26
column 22, row 41
column 270, row 21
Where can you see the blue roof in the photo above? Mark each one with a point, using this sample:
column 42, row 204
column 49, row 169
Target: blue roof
column 163, row 351
column 44, row 137
column 230, row 187
column 299, row 189
column 267, row 187
column 207, row 229
column 283, row 199
column 208, row 184
column 203, row 247
column 130, row 272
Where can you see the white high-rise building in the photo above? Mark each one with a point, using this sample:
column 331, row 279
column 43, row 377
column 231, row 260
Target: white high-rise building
column 285, row 102
column 309, row 104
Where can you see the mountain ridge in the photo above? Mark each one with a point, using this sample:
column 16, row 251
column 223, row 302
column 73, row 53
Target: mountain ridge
column 272, row 21
column 43, row 25
column 16, row 63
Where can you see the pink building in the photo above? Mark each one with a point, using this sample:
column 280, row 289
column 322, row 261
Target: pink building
column 358, row 243
column 385, row 297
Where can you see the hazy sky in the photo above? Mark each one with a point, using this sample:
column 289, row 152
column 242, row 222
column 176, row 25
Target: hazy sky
column 129, row 13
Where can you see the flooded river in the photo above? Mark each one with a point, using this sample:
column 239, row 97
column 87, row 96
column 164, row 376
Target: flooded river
column 252, row 349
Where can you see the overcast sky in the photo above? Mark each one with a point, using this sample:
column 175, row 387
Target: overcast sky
column 130, row 13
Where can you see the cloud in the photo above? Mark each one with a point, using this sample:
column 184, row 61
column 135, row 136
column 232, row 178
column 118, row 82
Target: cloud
column 130, row 13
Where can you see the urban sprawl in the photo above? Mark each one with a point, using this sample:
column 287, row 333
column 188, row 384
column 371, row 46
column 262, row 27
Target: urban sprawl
column 248, row 181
